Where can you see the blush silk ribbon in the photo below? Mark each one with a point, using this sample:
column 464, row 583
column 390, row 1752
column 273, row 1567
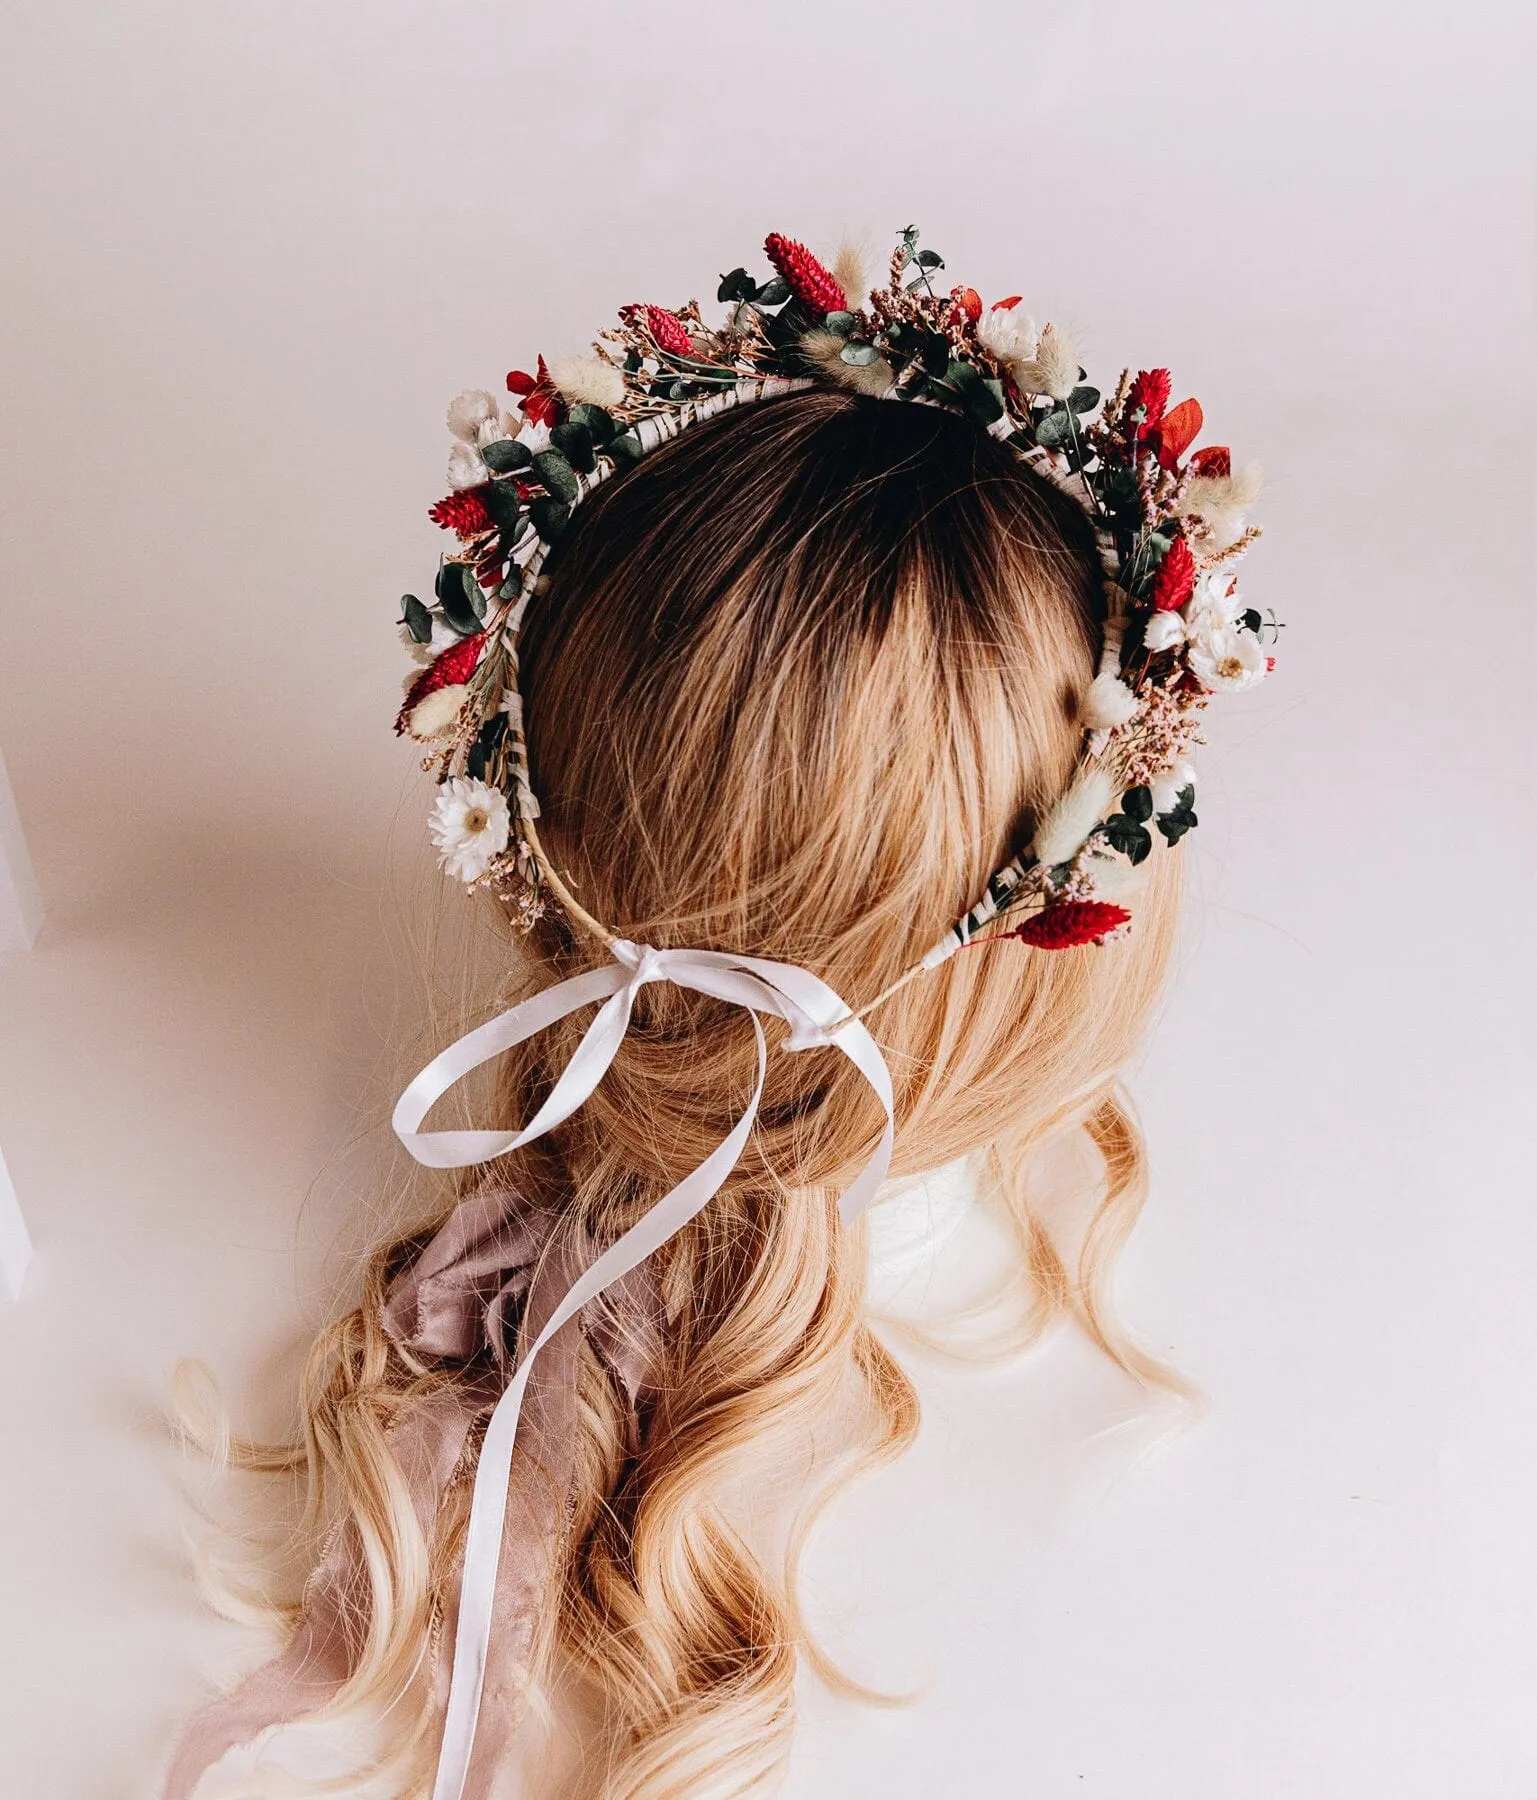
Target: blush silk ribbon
column 816, row 1017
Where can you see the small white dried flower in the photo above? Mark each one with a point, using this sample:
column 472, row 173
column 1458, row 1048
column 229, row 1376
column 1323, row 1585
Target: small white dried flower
column 465, row 469
column 469, row 411
column 1108, row 703
column 470, row 826
column 1167, row 787
column 1214, row 605
column 1008, row 332
column 1053, row 369
column 1062, row 832
column 593, row 379
column 496, row 430
column 533, row 437
column 1164, row 631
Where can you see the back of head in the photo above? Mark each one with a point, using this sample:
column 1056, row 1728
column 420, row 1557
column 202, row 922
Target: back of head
column 796, row 687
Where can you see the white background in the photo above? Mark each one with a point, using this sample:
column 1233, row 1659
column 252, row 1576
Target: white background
column 251, row 251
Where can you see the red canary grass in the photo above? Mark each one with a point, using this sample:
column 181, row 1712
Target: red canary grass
column 810, row 283
column 455, row 665
column 1069, row 923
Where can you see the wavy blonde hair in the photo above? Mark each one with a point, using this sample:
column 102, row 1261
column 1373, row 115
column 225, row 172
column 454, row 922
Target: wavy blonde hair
column 796, row 687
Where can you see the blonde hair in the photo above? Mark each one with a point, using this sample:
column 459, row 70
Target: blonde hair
column 796, row 687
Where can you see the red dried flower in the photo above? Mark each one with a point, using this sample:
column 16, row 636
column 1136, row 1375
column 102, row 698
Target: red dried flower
column 1071, row 922
column 1009, row 304
column 464, row 512
column 456, row 664
column 810, row 283
column 1215, row 459
column 968, row 301
column 541, row 403
column 1180, row 427
column 1150, row 390
column 1174, row 582
column 668, row 332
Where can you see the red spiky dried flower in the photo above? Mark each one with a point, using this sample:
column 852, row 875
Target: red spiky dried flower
column 668, row 332
column 464, row 512
column 810, row 283
column 1175, row 581
column 455, row 666
column 1151, row 391
column 1071, row 922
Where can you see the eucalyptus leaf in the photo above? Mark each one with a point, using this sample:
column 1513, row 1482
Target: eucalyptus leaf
column 460, row 597
column 1055, row 430
column 774, row 292
column 574, row 442
column 599, row 424
column 501, row 501
column 738, row 285
column 508, row 454
column 549, row 517
column 983, row 404
column 860, row 355
column 512, row 586
column 1083, row 399
column 1128, row 837
column 626, row 449
column 557, row 475
column 1137, row 803
column 936, row 353
column 840, row 322
column 1251, row 621
column 930, row 259
column 417, row 620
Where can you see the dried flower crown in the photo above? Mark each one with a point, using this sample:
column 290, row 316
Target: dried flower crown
column 1170, row 524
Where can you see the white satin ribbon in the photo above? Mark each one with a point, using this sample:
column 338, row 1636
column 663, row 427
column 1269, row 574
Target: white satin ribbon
column 816, row 1017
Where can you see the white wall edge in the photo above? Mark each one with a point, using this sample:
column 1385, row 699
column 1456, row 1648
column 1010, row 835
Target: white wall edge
column 15, row 1243
column 21, row 906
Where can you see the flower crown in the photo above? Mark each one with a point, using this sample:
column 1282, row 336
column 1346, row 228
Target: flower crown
column 1170, row 524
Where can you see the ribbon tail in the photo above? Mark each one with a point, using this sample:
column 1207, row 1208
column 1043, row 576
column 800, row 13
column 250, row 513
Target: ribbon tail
column 488, row 1508
column 314, row 1666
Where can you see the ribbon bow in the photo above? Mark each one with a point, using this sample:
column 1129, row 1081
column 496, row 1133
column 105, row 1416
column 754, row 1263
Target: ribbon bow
column 816, row 1017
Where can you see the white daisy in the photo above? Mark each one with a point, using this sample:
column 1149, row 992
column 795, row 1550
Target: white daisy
column 1228, row 658
column 470, row 826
